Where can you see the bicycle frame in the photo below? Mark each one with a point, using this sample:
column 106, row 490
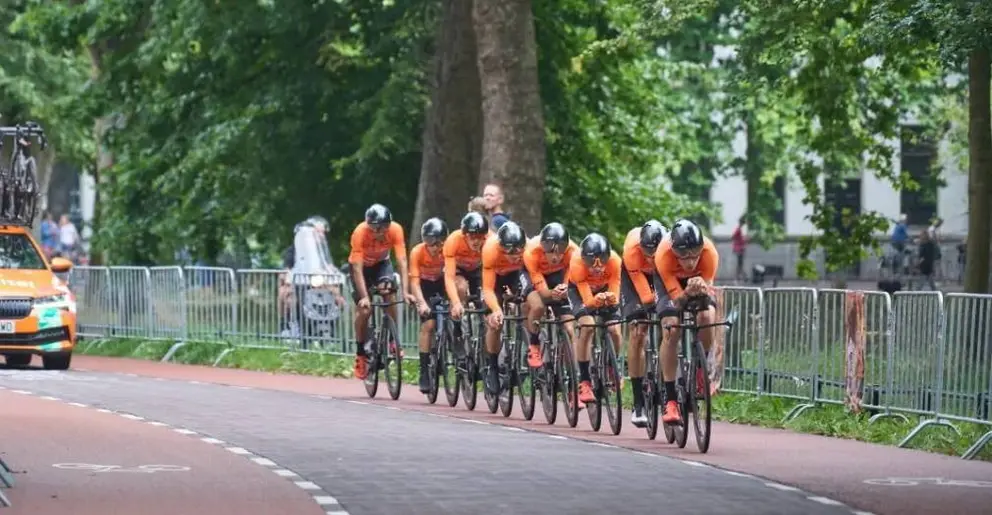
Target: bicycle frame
column 376, row 348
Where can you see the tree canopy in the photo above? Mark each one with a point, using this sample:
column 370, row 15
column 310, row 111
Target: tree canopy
column 222, row 124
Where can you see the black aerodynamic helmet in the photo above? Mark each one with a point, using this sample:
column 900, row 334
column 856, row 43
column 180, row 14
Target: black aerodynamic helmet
column 474, row 223
column 687, row 238
column 433, row 231
column 652, row 232
column 511, row 237
column 554, row 237
column 595, row 247
column 378, row 216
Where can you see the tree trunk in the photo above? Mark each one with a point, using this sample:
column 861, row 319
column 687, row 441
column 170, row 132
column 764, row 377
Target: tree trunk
column 513, row 147
column 452, row 139
column 976, row 277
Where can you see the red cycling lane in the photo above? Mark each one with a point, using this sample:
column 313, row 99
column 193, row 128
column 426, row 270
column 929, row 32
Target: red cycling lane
column 69, row 459
column 846, row 470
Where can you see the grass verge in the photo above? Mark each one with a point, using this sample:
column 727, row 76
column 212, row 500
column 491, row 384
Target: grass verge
column 763, row 411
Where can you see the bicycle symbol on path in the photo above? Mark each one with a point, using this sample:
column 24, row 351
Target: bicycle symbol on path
column 932, row 481
column 140, row 469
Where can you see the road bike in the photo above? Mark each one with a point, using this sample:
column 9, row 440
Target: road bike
column 604, row 373
column 442, row 360
column 472, row 348
column 652, row 394
column 693, row 368
column 557, row 374
column 382, row 344
column 19, row 181
column 512, row 341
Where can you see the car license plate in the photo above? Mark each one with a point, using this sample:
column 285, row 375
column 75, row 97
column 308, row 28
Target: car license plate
column 6, row 326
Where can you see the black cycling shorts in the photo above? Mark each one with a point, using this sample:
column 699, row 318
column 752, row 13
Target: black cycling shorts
column 374, row 274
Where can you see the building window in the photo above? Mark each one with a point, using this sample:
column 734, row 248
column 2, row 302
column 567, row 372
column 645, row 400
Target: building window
column 845, row 198
column 918, row 154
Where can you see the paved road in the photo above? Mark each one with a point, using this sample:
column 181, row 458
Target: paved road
column 392, row 461
column 69, row 459
column 827, row 467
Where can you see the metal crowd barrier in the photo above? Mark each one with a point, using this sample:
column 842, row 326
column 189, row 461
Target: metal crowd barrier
column 911, row 353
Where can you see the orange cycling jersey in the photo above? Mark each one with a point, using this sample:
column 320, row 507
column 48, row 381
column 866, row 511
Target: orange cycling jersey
column 638, row 265
column 425, row 266
column 538, row 265
column 458, row 255
column 369, row 250
column 586, row 280
column 671, row 271
column 495, row 262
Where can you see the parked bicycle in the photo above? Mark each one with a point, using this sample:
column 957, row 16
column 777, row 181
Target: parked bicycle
column 19, row 189
column 692, row 384
column 557, row 374
column 443, row 367
column 382, row 343
column 604, row 371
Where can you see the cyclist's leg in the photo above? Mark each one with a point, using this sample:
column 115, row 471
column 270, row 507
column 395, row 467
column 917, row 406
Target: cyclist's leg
column 582, row 347
column 369, row 273
column 428, row 289
column 631, row 310
column 493, row 343
column 535, row 311
column 386, row 274
column 669, row 358
column 462, row 285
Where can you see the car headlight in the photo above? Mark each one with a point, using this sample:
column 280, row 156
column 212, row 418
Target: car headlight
column 64, row 301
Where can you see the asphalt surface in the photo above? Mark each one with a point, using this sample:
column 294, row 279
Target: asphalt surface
column 69, row 459
column 375, row 460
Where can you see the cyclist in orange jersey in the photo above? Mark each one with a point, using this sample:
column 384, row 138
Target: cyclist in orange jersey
column 547, row 258
column 502, row 273
column 427, row 285
column 594, row 286
column 641, row 291
column 371, row 242
column 463, row 264
column 687, row 262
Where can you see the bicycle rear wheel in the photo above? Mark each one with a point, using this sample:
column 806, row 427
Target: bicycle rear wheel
column 434, row 369
column 701, row 402
column 390, row 348
column 609, row 377
column 449, row 365
column 567, row 377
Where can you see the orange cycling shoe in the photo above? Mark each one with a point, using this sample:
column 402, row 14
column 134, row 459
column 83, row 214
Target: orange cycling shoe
column 534, row 357
column 672, row 414
column 585, row 392
column 361, row 367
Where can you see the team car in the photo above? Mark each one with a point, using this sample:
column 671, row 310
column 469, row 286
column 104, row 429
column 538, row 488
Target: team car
column 37, row 309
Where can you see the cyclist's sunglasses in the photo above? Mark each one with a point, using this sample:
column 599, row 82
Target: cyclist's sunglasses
column 687, row 254
column 552, row 248
column 513, row 251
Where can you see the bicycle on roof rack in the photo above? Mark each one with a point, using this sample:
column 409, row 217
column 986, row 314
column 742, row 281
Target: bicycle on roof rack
column 382, row 343
column 19, row 189
column 692, row 383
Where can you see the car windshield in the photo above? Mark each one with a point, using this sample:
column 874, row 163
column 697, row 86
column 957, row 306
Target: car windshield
column 17, row 252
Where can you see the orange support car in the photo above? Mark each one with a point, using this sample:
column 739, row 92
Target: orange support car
column 37, row 310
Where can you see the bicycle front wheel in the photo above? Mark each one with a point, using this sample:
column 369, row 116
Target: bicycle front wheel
column 700, row 399
column 449, row 365
column 568, row 380
column 609, row 377
column 390, row 349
